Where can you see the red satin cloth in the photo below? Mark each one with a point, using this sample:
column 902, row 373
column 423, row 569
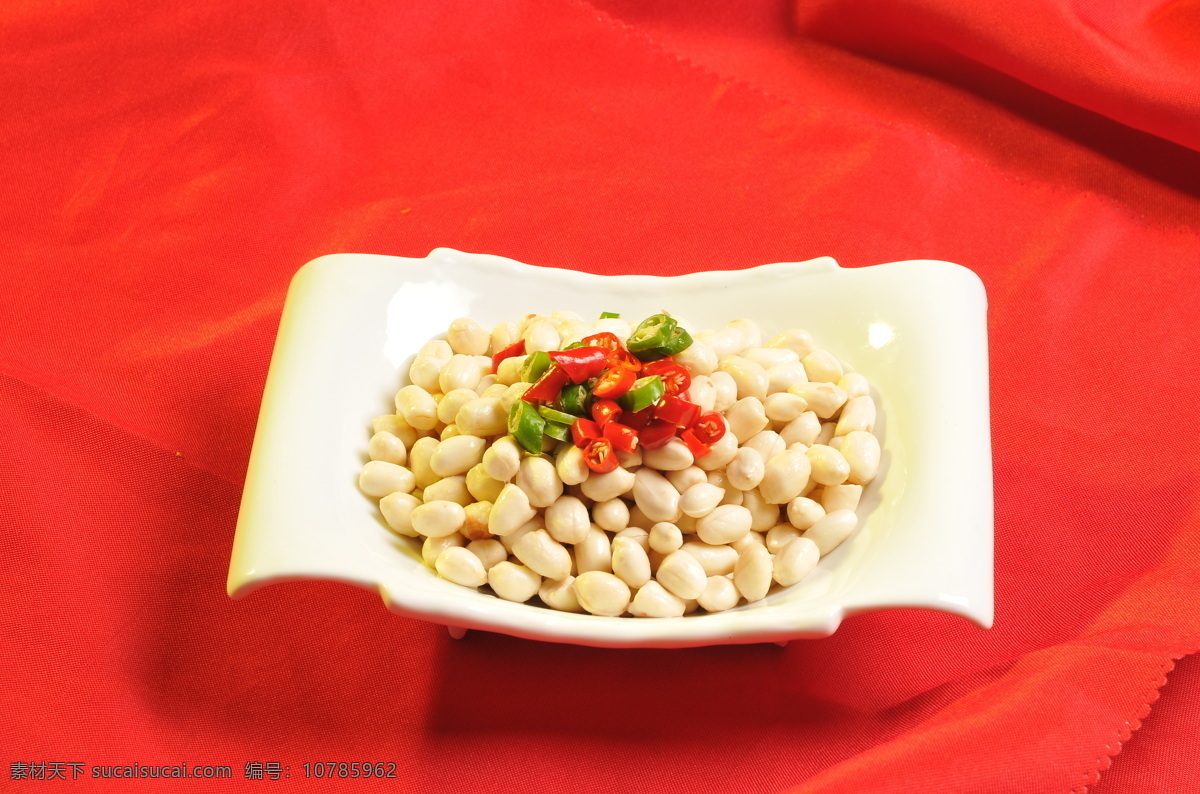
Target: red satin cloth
column 168, row 169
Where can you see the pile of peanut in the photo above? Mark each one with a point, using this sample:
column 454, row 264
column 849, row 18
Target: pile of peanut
column 662, row 535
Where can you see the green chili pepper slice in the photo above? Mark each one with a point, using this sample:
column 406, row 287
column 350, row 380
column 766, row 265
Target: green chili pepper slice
column 609, row 315
column 653, row 332
column 526, row 425
column 558, row 431
column 679, row 341
column 574, row 399
column 552, row 415
column 644, row 393
column 535, row 366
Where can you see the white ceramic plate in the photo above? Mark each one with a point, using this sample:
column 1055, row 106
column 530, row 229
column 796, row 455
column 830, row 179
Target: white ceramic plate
column 352, row 322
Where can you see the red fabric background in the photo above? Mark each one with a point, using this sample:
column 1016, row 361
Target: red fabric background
column 168, row 170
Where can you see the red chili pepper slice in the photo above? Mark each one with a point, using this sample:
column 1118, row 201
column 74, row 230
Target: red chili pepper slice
column 623, row 358
column 605, row 411
column 677, row 411
column 656, row 434
column 614, row 382
column 709, row 428
column 548, row 386
column 583, row 431
column 581, row 363
column 515, row 349
column 638, row 419
column 699, row 448
column 599, row 455
column 623, row 437
column 675, row 377
column 605, row 339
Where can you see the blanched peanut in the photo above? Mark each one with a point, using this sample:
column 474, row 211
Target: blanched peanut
column 686, row 478
column 831, row 530
column 380, row 478
column 594, row 552
column 746, row 469
column 510, row 510
column 508, row 371
column 397, row 510
column 782, row 377
column 560, row 595
column 449, row 431
column 749, row 377
column 460, row 372
column 795, row 561
column 391, row 423
column 418, row 407
column 457, row 455
column 725, row 524
column 567, row 520
column 785, row 478
column 504, row 335
column 700, row 499
column 746, row 418
column 656, row 497
column 468, row 337
column 611, row 515
column 682, row 574
column 541, row 553
column 828, row 465
column 720, row 454
column 725, row 391
column 613, row 325
column 513, row 582
column 424, row 371
column 572, row 331
column 824, row 399
column 572, row 469
column 686, row 524
column 450, row 402
column 826, row 434
column 784, row 407
column 768, row 444
column 438, row 518
column 629, row 460
column 751, row 537
column 436, row 348
column 538, row 479
column 803, row 430
column 855, row 385
column 541, row 335
column 601, row 593
column 797, row 340
column 779, row 536
column 803, row 512
column 861, row 451
column 841, row 497
column 715, row 560
column 502, row 459
column 511, row 538
column 763, row 514
column 768, row 357
column 750, row 331
column 732, row 495
column 629, row 562
column 752, row 574
column 857, row 414
column 665, row 537
column 432, row 548
column 822, row 366
column 609, row 485
column 652, row 600
column 702, row 392
column 637, row 535
column 387, row 448
column 672, row 456
column 489, row 552
column 489, row 387
column 449, row 489
column 719, row 594
column 724, row 343
column 483, row 416
column 475, row 527
column 460, row 566
column 481, row 486
column 699, row 358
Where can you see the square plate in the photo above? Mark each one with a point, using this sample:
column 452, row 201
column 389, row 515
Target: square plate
column 352, row 323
